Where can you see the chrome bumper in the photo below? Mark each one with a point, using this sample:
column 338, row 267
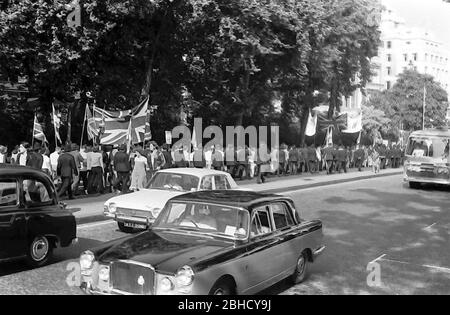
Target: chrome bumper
column 137, row 220
column 319, row 251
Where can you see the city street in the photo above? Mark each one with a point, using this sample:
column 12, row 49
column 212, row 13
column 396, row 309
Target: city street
column 378, row 220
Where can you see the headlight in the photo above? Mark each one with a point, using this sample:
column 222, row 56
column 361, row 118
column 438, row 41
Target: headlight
column 166, row 284
column 184, row 277
column 103, row 274
column 156, row 212
column 87, row 260
column 112, row 208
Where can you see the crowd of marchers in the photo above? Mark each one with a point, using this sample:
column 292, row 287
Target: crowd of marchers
column 104, row 169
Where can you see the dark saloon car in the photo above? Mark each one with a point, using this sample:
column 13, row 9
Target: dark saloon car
column 32, row 222
column 210, row 242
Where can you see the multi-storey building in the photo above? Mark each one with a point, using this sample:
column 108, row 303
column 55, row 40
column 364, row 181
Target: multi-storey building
column 405, row 48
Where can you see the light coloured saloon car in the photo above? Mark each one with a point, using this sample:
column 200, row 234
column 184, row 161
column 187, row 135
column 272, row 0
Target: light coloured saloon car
column 139, row 210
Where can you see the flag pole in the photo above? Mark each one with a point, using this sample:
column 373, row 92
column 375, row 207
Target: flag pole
column 34, row 121
column 424, row 106
column 54, row 124
column 84, row 123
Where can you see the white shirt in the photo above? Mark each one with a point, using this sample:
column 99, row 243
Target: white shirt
column 23, row 159
column 2, row 158
column 46, row 165
column 54, row 160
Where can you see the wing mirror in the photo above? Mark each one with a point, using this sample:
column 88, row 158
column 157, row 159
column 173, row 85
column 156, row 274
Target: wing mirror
column 63, row 205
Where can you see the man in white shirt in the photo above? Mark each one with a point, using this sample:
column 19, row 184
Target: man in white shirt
column 54, row 160
column 23, row 152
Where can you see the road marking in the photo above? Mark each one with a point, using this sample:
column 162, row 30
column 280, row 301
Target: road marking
column 429, row 227
column 442, row 269
column 92, row 225
column 379, row 258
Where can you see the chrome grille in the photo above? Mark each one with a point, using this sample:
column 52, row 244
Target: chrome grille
column 132, row 278
column 134, row 213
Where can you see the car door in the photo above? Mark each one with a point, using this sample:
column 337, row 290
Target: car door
column 44, row 216
column 290, row 242
column 262, row 252
column 13, row 241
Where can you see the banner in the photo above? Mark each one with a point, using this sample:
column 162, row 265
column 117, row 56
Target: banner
column 311, row 126
column 38, row 131
column 169, row 137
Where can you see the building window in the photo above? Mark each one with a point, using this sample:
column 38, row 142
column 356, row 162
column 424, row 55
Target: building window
column 415, row 57
column 389, row 70
column 388, row 85
column 405, row 57
column 389, row 57
column 426, row 69
column 389, row 44
column 426, row 57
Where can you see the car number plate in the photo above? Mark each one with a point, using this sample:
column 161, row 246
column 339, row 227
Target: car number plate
column 135, row 225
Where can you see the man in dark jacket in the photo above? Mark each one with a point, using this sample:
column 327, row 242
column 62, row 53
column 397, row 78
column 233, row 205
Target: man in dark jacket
column 341, row 156
column 34, row 158
column 122, row 167
column 66, row 170
column 359, row 156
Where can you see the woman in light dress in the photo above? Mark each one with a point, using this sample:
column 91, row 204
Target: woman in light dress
column 139, row 175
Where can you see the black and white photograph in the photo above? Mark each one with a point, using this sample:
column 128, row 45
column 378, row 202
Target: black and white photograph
column 255, row 148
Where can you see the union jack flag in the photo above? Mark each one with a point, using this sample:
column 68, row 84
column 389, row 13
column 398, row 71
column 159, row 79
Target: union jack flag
column 56, row 122
column 119, row 127
column 92, row 129
column 38, row 131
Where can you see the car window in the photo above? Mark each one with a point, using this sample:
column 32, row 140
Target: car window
column 260, row 222
column 221, row 182
column 8, row 193
column 281, row 215
column 207, row 183
column 173, row 181
column 36, row 193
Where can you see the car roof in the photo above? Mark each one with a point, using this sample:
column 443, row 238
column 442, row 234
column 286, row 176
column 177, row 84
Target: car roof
column 200, row 172
column 233, row 198
column 17, row 170
column 431, row 132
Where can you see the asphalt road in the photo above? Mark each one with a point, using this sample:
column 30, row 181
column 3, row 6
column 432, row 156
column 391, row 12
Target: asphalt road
column 376, row 222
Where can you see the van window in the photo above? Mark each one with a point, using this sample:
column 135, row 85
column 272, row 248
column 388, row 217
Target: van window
column 8, row 193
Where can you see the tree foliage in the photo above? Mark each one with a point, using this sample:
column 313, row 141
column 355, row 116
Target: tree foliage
column 227, row 61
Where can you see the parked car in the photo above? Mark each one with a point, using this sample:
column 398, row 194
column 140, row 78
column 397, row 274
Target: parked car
column 140, row 209
column 32, row 221
column 209, row 242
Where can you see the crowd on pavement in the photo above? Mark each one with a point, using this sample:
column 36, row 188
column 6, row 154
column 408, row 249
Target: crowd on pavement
column 94, row 169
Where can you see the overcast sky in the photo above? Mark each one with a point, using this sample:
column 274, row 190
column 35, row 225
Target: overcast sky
column 432, row 15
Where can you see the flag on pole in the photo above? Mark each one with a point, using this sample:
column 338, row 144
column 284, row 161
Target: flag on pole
column 56, row 123
column 92, row 129
column 424, row 106
column 311, row 125
column 329, row 138
column 358, row 142
column 38, row 131
column 148, row 131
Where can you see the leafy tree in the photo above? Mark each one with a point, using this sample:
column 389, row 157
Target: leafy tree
column 404, row 102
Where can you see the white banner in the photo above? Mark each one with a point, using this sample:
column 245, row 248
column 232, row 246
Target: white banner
column 311, row 126
column 354, row 123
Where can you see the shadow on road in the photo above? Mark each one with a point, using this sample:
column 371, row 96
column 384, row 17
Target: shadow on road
column 60, row 254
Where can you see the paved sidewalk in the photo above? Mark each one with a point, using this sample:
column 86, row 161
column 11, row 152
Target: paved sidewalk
column 90, row 209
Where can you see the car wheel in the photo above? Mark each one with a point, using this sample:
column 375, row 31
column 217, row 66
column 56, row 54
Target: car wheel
column 414, row 185
column 222, row 288
column 40, row 251
column 301, row 269
column 124, row 228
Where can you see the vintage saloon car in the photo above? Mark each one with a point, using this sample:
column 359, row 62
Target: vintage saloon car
column 209, row 242
column 139, row 210
column 32, row 222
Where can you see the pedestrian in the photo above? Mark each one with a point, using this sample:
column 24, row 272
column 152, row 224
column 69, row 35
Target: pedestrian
column 83, row 168
column 376, row 160
column 252, row 161
column 139, row 174
column 264, row 163
column 329, row 159
column 122, row 168
column 293, row 160
column 106, row 178
column 34, row 157
column 359, row 158
column 78, row 162
column 179, row 157
column 157, row 159
column 14, row 159
column 198, row 158
column 95, row 168
column 283, row 160
column 46, row 165
column 341, row 157
column 217, row 158
column 230, row 160
column 3, row 154
column 242, row 156
column 167, row 156
column 312, row 159
column 66, row 169
column 54, row 156
column 23, row 152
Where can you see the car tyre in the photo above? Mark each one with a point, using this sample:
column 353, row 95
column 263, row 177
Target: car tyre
column 414, row 185
column 124, row 228
column 301, row 269
column 222, row 288
column 40, row 252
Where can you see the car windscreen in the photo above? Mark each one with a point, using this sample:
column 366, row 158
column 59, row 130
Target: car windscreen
column 432, row 147
column 205, row 218
column 173, row 181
